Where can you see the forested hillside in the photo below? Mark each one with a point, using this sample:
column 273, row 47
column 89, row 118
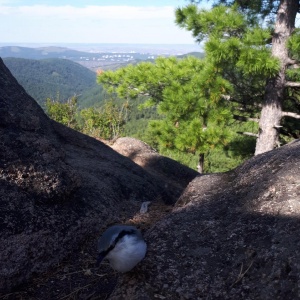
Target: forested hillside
column 39, row 53
column 55, row 78
column 52, row 76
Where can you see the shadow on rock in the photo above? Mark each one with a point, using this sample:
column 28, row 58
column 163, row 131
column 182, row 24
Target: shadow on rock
column 231, row 236
column 59, row 189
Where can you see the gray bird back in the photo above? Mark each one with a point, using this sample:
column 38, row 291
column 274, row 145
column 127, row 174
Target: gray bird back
column 109, row 237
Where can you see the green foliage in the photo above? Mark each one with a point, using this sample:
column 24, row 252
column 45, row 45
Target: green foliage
column 138, row 117
column 254, row 10
column 218, row 22
column 219, row 157
column 230, row 41
column 171, row 79
column 293, row 74
column 239, row 47
column 64, row 113
column 106, row 122
column 92, row 97
column 238, row 42
column 188, row 96
column 294, row 44
column 258, row 62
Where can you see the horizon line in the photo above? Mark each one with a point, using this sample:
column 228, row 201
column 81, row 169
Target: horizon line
column 84, row 43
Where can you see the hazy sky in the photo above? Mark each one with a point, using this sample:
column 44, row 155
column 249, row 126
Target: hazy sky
column 91, row 21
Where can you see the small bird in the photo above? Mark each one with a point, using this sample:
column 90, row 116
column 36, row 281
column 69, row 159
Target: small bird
column 123, row 246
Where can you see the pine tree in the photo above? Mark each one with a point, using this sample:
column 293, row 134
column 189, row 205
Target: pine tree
column 187, row 93
column 250, row 43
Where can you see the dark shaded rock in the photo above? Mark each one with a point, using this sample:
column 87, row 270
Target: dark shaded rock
column 175, row 175
column 28, row 159
column 231, row 236
column 58, row 187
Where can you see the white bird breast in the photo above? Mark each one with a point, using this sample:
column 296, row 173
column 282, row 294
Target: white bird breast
column 127, row 253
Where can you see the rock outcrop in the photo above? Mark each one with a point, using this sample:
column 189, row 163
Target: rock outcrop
column 234, row 235
column 231, row 236
column 58, row 187
column 175, row 175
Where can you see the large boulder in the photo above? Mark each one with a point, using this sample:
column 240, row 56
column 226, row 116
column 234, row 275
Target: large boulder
column 175, row 175
column 234, row 235
column 58, row 187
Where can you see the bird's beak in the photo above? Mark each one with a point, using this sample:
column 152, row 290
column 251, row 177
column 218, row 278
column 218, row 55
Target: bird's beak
column 99, row 260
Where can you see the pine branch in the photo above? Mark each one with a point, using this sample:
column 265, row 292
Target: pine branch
column 295, row 101
column 290, row 114
column 245, row 119
column 292, row 84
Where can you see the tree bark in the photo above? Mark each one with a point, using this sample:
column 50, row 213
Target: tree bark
column 271, row 113
column 200, row 166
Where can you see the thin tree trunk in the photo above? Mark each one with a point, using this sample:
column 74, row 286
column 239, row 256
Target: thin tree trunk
column 271, row 114
column 200, row 166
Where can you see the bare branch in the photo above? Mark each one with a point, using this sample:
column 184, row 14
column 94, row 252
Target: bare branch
column 139, row 92
column 248, row 133
column 290, row 114
column 295, row 66
column 292, row 84
column 226, row 97
column 293, row 63
column 243, row 100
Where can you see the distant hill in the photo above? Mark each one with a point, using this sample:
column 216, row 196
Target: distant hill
column 196, row 54
column 40, row 53
column 91, row 60
column 49, row 71
column 50, row 77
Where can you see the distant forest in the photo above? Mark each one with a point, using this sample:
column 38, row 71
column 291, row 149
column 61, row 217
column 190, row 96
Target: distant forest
column 57, row 79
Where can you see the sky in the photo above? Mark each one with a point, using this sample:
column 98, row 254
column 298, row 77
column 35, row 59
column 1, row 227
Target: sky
column 92, row 21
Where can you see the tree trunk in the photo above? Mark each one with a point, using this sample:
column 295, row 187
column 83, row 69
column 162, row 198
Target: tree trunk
column 200, row 166
column 271, row 114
